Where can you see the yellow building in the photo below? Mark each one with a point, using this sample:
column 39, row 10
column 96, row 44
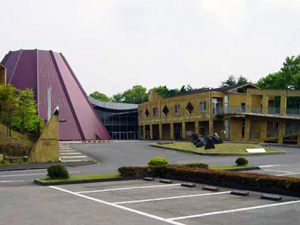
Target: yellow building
column 235, row 113
column 2, row 74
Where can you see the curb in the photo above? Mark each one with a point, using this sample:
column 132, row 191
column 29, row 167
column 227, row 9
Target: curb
column 244, row 169
column 217, row 154
column 36, row 166
column 44, row 183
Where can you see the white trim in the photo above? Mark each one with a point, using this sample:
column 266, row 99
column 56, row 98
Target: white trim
column 118, row 206
column 168, row 198
column 128, row 188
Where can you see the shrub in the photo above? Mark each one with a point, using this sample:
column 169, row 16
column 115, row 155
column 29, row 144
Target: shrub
column 58, row 171
column 158, row 161
column 15, row 149
column 258, row 182
column 192, row 165
column 241, row 161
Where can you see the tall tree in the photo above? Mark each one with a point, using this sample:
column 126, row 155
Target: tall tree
column 232, row 80
column 27, row 111
column 135, row 95
column 100, row 96
column 118, row 97
column 162, row 91
column 8, row 105
column 288, row 77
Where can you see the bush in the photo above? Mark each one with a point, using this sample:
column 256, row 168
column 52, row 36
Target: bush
column 15, row 149
column 193, row 165
column 258, row 182
column 158, row 161
column 241, row 161
column 58, row 171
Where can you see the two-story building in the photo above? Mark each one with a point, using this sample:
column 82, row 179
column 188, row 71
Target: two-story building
column 235, row 113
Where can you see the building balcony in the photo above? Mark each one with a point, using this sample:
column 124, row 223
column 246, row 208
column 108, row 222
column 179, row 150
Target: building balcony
column 275, row 111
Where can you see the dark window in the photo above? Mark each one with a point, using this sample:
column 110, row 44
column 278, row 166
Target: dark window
column 189, row 108
column 165, row 110
column 147, row 113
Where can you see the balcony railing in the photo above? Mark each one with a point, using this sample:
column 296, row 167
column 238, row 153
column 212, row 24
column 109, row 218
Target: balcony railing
column 294, row 112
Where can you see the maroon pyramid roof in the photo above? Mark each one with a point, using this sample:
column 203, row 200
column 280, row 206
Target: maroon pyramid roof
column 40, row 70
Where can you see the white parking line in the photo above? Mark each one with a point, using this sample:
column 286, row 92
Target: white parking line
column 30, row 174
column 10, row 181
column 286, row 174
column 233, row 210
column 280, row 171
column 266, row 166
column 128, row 188
column 119, row 206
column 168, row 198
column 19, row 171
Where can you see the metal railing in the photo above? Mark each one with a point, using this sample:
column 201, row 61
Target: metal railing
column 294, row 112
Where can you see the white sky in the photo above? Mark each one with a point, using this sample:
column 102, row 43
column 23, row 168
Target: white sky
column 115, row 44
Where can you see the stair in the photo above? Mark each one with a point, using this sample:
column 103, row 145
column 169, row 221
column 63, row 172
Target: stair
column 68, row 154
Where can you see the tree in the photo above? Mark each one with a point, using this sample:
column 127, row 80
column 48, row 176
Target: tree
column 118, row 97
column 162, row 91
column 288, row 77
column 135, row 95
column 8, row 105
column 232, row 80
column 26, row 118
column 100, row 96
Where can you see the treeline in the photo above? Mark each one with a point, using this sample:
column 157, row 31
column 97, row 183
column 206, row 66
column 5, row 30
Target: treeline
column 18, row 111
column 288, row 77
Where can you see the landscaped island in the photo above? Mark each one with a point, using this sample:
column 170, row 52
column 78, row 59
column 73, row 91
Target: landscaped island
column 220, row 149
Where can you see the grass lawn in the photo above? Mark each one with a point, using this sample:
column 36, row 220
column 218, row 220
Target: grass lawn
column 230, row 167
column 83, row 177
column 225, row 148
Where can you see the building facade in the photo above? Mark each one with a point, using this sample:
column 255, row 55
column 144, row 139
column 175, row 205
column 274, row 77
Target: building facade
column 119, row 119
column 54, row 84
column 235, row 113
column 2, row 74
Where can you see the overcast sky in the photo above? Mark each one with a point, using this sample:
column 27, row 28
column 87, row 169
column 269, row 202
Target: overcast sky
column 113, row 45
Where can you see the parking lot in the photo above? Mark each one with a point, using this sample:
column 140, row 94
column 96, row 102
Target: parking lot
column 152, row 202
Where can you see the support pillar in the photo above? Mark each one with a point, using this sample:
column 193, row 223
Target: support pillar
column 151, row 132
column 183, row 130
column 298, row 136
column 265, row 104
column 281, row 130
column 263, row 131
column 282, row 105
column 248, row 103
column 211, row 127
column 144, row 132
column 160, row 132
column 197, row 127
column 247, row 129
column 171, row 131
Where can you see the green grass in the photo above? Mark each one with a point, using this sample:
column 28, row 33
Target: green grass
column 6, row 163
column 225, row 148
column 230, row 167
column 83, row 177
column 16, row 137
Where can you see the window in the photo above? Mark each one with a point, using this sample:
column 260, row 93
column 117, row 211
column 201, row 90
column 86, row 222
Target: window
column 147, row 113
column 189, row 108
column 177, row 109
column 165, row 110
column 155, row 112
column 243, row 107
column 202, row 106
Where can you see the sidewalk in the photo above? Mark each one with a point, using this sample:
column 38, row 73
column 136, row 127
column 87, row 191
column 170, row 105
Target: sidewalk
column 43, row 165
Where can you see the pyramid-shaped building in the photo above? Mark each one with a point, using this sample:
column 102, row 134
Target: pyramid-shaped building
column 40, row 70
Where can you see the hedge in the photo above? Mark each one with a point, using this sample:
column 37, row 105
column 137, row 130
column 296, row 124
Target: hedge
column 252, row 181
